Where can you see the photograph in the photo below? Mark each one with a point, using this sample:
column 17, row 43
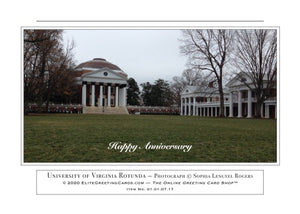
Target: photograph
column 150, row 95
column 149, row 107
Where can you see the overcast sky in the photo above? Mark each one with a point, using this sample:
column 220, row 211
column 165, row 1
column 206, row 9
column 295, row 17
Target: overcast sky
column 145, row 55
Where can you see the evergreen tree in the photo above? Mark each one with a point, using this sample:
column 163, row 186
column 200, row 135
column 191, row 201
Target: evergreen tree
column 147, row 94
column 159, row 94
column 133, row 92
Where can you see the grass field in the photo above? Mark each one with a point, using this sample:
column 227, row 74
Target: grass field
column 85, row 138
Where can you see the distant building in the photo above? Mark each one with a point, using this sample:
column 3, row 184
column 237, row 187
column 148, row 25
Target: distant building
column 239, row 100
column 103, row 87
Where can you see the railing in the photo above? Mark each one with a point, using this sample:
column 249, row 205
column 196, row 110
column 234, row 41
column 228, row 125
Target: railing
column 153, row 110
column 54, row 108
column 253, row 99
column 209, row 102
column 272, row 99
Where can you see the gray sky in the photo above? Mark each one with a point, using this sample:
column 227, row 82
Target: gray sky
column 145, row 55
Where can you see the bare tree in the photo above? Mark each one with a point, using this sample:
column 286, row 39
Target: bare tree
column 37, row 46
column 46, row 64
column 59, row 80
column 209, row 51
column 256, row 57
column 189, row 76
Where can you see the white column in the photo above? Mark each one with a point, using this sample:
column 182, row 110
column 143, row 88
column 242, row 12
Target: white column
column 240, row 104
column 230, row 105
column 200, row 109
column 93, row 95
column 83, row 97
column 124, row 96
column 216, row 111
column 197, row 111
column 190, row 106
column 194, row 106
column 181, row 106
column 185, row 106
column 117, row 97
column 249, row 104
column 101, row 95
column 108, row 96
column 267, row 111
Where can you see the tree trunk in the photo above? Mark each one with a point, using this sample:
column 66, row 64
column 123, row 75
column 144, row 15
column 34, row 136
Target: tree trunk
column 258, row 109
column 41, row 83
column 221, row 104
column 221, row 98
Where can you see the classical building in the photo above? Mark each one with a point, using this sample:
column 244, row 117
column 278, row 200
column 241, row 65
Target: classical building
column 202, row 101
column 103, row 87
column 239, row 100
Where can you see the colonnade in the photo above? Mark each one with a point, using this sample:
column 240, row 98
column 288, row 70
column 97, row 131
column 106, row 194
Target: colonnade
column 119, row 96
column 202, row 109
column 213, row 109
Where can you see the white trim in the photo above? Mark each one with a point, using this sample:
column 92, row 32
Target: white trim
column 108, row 96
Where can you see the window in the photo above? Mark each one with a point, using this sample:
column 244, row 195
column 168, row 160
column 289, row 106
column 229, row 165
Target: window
column 244, row 94
column 243, row 79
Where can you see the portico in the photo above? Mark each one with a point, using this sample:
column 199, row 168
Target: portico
column 99, row 94
column 198, row 102
column 239, row 101
column 243, row 99
column 103, row 85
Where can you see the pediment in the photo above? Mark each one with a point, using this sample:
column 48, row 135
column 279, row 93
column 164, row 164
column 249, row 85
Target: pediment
column 104, row 73
column 241, row 79
column 190, row 89
column 186, row 90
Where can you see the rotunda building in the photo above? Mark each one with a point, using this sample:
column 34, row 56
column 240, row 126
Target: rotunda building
column 103, row 86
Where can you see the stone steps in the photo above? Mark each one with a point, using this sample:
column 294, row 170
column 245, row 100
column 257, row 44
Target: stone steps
column 107, row 110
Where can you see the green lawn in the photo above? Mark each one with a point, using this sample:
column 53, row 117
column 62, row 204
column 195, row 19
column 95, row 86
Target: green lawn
column 85, row 138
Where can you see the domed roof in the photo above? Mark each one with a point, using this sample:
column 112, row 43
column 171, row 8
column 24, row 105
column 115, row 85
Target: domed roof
column 97, row 63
